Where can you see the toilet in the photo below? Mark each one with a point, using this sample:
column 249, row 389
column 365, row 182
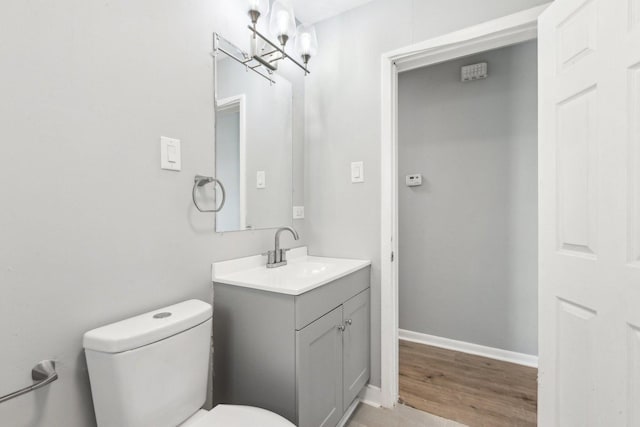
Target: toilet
column 152, row 370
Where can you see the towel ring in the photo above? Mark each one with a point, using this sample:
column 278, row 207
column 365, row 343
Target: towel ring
column 200, row 181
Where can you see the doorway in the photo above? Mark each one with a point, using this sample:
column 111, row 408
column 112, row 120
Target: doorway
column 512, row 29
column 467, row 216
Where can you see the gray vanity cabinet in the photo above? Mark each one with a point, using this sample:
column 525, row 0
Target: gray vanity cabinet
column 319, row 360
column 305, row 357
column 333, row 362
column 356, row 343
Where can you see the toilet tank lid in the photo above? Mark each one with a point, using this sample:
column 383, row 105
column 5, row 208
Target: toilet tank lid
column 147, row 328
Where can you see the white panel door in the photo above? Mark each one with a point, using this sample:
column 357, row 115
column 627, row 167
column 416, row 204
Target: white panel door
column 589, row 154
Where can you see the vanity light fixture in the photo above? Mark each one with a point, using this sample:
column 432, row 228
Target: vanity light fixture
column 282, row 26
column 306, row 42
column 256, row 9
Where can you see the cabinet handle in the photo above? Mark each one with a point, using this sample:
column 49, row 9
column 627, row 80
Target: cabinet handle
column 341, row 328
column 349, row 322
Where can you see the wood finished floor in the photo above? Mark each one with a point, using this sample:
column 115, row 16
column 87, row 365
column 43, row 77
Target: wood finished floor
column 472, row 390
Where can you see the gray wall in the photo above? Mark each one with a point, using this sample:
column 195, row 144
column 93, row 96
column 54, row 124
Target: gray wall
column 92, row 230
column 468, row 236
column 342, row 96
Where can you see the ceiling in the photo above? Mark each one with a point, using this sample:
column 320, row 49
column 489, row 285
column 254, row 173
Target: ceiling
column 312, row 11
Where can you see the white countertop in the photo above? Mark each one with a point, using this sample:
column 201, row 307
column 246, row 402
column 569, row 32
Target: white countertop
column 301, row 274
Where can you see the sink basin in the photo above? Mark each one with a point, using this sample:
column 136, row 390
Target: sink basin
column 302, row 273
column 306, row 269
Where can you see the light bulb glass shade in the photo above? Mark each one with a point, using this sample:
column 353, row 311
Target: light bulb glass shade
column 306, row 41
column 260, row 6
column 282, row 24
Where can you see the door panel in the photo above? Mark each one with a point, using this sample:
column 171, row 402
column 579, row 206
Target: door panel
column 634, row 13
column 319, row 370
column 589, row 157
column 575, row 331
column 576, row 36
column 633, row 384
column 577, row 174
column 356, row 346
column 634, row 164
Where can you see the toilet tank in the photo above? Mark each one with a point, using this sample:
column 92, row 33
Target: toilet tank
column 152, row 369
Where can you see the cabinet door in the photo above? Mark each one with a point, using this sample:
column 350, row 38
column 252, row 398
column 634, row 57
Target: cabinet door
column 319, row 371
column 356, row 346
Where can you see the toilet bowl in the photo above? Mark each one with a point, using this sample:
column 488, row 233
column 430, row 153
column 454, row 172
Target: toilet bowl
column 152, row 370
column 236, row 416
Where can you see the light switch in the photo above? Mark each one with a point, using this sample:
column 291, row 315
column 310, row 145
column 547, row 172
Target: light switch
column 298, row 212
column 261, row 179
column 357, row 172
column 170, row 154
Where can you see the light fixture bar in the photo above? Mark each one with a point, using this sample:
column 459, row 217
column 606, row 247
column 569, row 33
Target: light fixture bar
column 277, row 48
column 245, row 64
column 265, row 63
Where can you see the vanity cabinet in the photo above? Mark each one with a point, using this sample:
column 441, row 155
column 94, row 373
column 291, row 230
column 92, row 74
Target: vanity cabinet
column 305, row 357
column 333, row 362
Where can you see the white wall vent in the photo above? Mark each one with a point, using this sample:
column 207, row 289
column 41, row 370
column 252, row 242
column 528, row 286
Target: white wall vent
column 474, row 72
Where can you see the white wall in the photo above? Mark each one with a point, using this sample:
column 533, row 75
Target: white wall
column 342, row 97
column 92, row 230
column 468, row 236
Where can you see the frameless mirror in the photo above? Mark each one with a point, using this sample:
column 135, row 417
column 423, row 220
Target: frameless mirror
column 253, row 143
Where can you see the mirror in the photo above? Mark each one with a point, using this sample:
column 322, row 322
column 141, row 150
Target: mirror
column 253, row 143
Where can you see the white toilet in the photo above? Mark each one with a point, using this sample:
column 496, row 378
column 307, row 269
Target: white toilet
column 151, row 371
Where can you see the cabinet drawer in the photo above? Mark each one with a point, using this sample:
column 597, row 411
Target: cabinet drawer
column 318, row 302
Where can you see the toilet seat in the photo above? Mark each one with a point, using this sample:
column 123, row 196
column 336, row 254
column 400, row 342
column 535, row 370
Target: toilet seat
column 239, row 416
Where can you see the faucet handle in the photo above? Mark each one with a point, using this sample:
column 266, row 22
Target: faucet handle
column 271, row 256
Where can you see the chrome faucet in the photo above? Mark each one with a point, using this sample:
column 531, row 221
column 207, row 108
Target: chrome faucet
column 278, row 257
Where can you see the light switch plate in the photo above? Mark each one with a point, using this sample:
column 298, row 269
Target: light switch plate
column 357, row 171
column 298, row 212
column 261, row 179
column 170, row 156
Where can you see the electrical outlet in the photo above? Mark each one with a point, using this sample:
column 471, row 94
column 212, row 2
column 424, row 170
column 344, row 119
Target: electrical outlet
column 298, row 212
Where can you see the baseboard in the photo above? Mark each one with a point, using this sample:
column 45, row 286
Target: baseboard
column 466, row 347
column 371, row 395
column 347, row 415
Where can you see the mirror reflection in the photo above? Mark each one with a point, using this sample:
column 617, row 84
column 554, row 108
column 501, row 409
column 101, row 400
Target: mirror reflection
column 254, row 144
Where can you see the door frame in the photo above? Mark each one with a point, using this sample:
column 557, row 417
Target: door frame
column 509, row 30
column 239, row 101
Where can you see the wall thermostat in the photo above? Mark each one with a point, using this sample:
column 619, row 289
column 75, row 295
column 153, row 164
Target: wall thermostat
column 414, row 180
column 474, row 72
